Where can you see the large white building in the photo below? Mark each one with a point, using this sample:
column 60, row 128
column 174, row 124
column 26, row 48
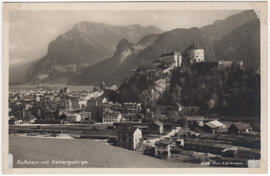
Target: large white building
column 110, row 116
column 195, row 54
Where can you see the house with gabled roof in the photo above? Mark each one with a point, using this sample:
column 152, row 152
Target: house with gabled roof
column 129, row 137
column 240, row 128
column 213, row 126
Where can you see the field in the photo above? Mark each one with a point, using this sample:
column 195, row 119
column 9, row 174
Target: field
column 45, row 153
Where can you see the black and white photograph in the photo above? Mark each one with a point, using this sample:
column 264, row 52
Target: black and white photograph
column 110, row 85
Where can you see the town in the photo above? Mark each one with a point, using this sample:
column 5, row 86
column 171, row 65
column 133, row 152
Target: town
column 205, row 139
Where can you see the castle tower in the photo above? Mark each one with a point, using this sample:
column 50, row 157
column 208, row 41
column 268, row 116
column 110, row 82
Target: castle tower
column 177, row 59
column 195, row 54
column 174, row 58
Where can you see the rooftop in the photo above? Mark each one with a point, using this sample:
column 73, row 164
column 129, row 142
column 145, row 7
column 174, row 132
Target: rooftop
column 170, row 53
column 241, row 125
column 214, row 124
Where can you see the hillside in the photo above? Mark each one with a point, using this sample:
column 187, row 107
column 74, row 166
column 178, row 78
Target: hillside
column 85, row 44
column 235, row 38
column 116, row 69
column 232, row 92
column 243, row 43
column 221, row 28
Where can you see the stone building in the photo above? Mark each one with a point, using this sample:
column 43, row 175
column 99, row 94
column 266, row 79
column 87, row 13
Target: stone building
column 110, row 116
column 129, row 138
column 222, row 65
column 194, row 54
column 174, row 57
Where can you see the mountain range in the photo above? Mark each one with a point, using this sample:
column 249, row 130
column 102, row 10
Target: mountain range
column 235, row 38
column 85, row 44
column 84, row 55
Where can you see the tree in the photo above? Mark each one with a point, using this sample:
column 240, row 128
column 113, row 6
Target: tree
column 62, row 117
column 176, row 117
column 175, row 96
column 157, row 110
column 211, row 104
column 110, row 94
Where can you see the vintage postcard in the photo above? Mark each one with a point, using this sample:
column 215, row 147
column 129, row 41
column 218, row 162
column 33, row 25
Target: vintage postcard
column 135, row 87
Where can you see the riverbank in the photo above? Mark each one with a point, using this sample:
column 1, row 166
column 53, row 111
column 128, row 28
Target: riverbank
column 51, row 86
column 32, row 152
column 95, row 131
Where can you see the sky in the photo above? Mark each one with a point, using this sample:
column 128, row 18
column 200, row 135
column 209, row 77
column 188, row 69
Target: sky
column 31, row 31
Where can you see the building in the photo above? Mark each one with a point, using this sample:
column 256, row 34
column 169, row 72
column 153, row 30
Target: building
column 162, row 150
column 222, row 65
column 156, row 127
column 129, row 138
column 174, row 57
column 123, row 125
column 180, row 142
column 82, row 103
column 110, row 116
column 17, row 122
column 97, row 115
column 86, row 116
column 194, row 54
column 193, row 122
column 48, row 116
column 239, row 128
column 96, row 102
column 132, row 105
column 74, row 117
column 148, row 116
column 92, row 104
column 225, row 150
column 133, row 117
column 213, row 126
column 116, row 107
column 72, row 103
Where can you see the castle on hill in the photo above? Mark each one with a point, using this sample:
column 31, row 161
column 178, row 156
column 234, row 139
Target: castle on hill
column 194, row 55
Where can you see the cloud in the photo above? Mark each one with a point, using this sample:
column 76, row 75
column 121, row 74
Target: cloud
column 31, row 31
